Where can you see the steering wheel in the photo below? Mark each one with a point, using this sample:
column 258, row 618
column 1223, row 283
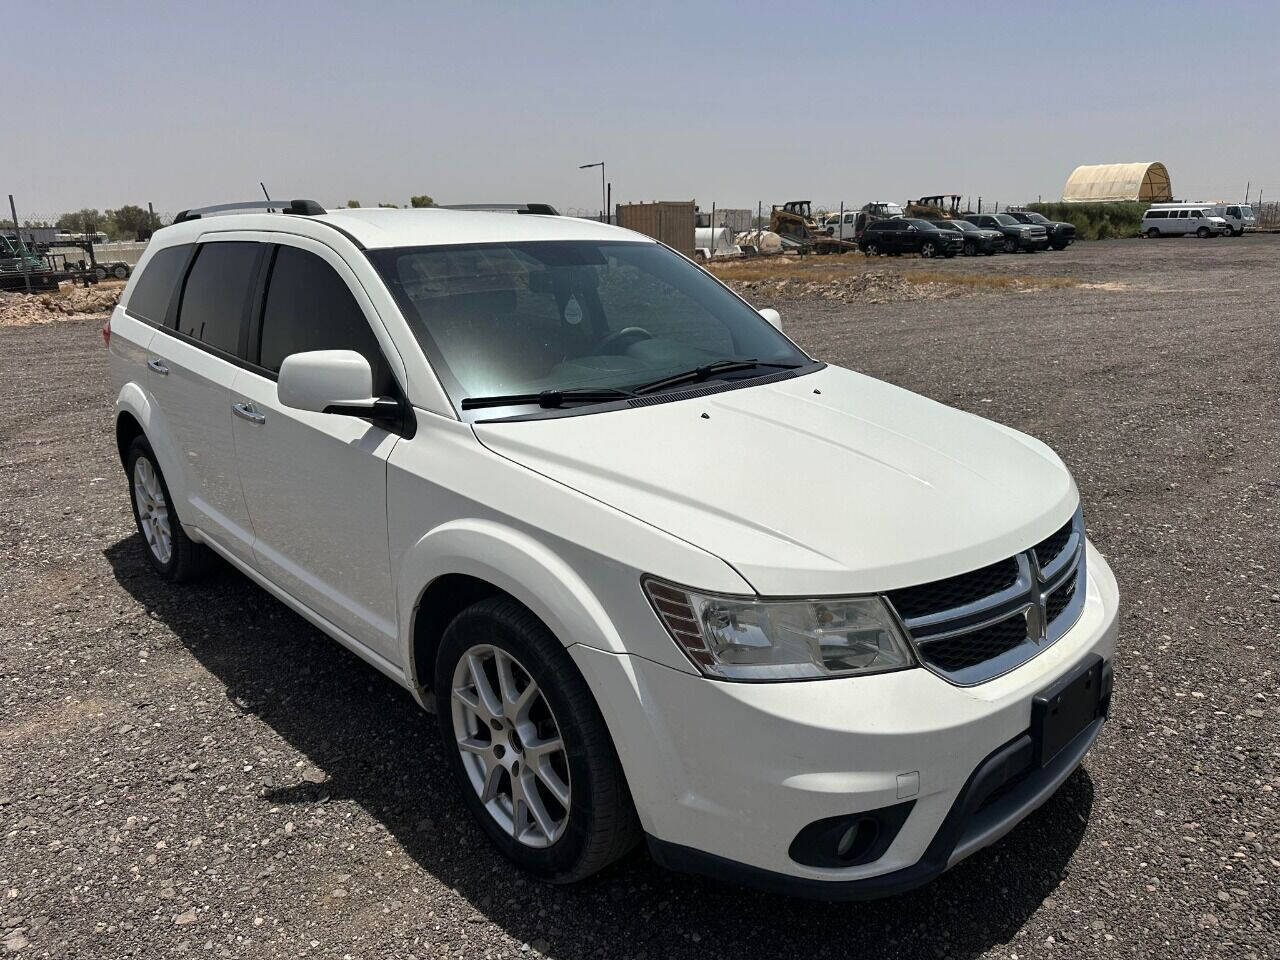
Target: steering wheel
column 627, row 335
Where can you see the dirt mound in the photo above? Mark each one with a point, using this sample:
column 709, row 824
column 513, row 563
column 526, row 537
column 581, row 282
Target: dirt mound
column 23, row 310
column 872, row 286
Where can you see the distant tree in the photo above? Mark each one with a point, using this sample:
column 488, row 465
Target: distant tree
column 421, row 201
column 131, row 222
column 353, row 204
column 86, row 220
column 390, row 206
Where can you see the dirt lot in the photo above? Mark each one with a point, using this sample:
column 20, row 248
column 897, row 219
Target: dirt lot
column 196, row 771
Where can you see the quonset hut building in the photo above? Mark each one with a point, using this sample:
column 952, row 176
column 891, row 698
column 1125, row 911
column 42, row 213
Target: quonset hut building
column 1115, row 182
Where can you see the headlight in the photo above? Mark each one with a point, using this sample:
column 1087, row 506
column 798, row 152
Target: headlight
column 742, row 638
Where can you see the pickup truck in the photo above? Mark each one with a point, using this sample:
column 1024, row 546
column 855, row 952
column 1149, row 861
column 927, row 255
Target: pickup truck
column 1017, row 236
column 1061, row 233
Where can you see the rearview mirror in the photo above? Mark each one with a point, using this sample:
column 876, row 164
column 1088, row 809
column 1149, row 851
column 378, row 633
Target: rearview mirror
column 321, row 380
column 773, row 316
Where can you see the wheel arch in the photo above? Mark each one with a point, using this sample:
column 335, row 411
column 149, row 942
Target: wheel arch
column 136, row 417
column 459, row 563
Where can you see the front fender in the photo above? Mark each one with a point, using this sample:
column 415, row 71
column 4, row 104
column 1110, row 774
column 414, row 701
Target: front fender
column 513, row 561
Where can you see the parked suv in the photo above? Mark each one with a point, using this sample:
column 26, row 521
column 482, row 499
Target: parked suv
column 976, row 239
column 658, row 572
column 1017, row 236
column 1061, row 233
column 908, row 235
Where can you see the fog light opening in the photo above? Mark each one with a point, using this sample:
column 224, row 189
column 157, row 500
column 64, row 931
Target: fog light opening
column 857, row 839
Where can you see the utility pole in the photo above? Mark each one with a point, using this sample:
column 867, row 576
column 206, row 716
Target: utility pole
column 26, row 267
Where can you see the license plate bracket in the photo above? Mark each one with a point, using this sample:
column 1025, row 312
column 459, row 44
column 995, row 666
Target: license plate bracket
column 1061, row 711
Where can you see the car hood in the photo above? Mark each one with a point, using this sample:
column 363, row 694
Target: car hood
column 821, row 484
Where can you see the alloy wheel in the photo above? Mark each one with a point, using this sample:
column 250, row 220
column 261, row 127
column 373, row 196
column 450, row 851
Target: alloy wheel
column 153, row 510
column 511, row 747
column 927, row 250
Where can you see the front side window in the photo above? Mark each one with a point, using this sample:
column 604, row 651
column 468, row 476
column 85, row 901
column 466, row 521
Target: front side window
column 215, row 300
column 157, row 282
column 522, row 318
column 1233, row 212
column 309, row 307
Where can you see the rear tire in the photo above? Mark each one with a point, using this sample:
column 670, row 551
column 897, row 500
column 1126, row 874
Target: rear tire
column 173, row 554
column 120, row 271
column 489, row 733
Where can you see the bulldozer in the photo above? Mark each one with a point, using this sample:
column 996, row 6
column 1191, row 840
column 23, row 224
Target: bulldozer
column 942, row 206
column 795, row 224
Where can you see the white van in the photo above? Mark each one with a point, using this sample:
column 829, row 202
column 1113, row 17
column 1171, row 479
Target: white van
column 1239, row 216
column 1179, row 219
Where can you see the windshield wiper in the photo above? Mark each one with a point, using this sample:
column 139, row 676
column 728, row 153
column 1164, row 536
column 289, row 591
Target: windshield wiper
column 549, row 398
column 706, row 370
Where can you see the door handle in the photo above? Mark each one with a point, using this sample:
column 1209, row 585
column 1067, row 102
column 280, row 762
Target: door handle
column 158, row 366
column 247, row 411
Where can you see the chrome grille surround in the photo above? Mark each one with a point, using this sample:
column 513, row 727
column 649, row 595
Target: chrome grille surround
column 990, row 635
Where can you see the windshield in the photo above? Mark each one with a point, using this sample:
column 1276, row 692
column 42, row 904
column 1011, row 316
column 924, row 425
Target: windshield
column 1006, row 219
column 964, row 225
column 922, row 224
column 522, row 318
column 1036, row 218
column 1246, row 211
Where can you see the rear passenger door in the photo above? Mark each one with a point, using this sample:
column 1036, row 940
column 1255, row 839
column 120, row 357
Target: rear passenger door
column 191, row 363
column 315, row 483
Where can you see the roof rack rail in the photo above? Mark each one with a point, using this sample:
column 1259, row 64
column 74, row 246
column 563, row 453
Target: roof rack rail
column 540, row 209
column 302, row 208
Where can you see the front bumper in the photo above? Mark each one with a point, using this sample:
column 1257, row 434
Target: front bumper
column 726, row 775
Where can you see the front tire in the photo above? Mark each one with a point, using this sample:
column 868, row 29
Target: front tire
column 928, row 250
column 1153, row 234
column 173, row 554
column 970, row 248
column 1010, row 245
column 1203, row 233
column 527, row 743
column 871, row 250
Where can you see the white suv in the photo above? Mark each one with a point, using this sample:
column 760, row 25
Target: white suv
column 657, row 570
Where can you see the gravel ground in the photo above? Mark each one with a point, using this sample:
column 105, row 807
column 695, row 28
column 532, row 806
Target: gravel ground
column 195, row 770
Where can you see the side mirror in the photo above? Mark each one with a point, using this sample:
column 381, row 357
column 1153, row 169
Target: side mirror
column 331, row 381
column 773, row 316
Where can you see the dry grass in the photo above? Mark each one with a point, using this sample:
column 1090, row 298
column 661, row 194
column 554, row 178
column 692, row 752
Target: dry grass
column 842, row 267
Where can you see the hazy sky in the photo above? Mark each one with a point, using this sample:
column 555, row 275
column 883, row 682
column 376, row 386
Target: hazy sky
column 185, row 104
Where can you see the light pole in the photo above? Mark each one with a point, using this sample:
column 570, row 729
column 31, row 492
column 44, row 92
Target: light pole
column 604, row 203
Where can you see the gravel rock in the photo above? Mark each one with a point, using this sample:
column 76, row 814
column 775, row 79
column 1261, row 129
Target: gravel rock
column 1150, row 377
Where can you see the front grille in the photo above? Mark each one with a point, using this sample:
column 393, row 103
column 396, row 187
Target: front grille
column 978, row 625
column 979, row 646
column 1047, row 550
column 1057, row 601
column 931, row 598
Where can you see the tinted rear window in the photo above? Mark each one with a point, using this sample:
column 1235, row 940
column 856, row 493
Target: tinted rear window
column 309, row 307
column 216, row 297
column 157, row 283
